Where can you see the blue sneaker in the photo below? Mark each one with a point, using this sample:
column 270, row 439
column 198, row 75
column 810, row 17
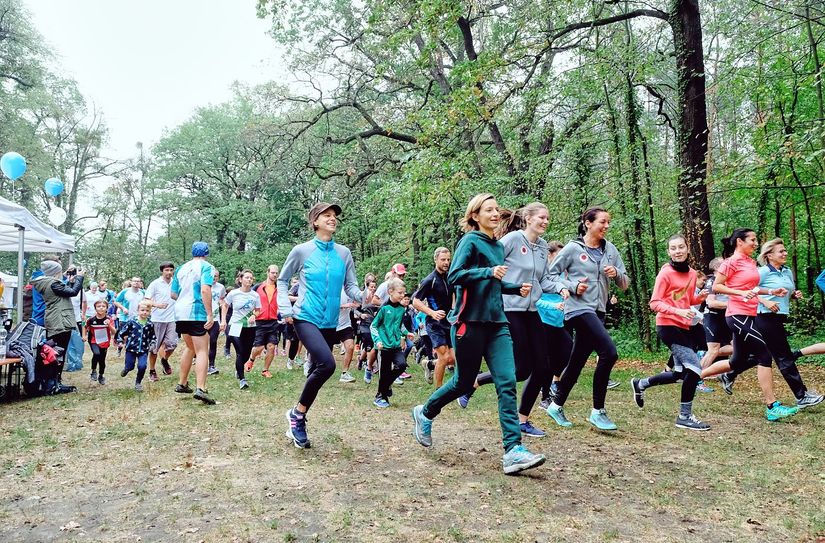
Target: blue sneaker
column 297, row 429
column 599, row 419
column 422, row 426
column 702, row 387
column 556, row 412
column 778, row 411
column 519, row 459
column 527, row 429
column 367, row 376
column 381, row 402
column 463, row 401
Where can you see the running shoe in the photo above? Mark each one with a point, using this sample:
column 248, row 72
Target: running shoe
column 691, row 423
column 398, row 381
column 702, row 387
column 810, row 399
column 183, row 389
column 727, row 383
column 599, row 419
column 212, row 371
column 519, row 459
column 428, row 372
column 463, row 400
column 778, row 411
column 422, row 427
column 138, row 387
column 346, row 377
column 306, row 368
column 226, row 355
column 283, row 352
column 153, row 376
column 203, row 395
column 243, row 384
column 381, row 403
column 405, row 375
column 611, row 384
column 638, row 393
column 267, row 374
column 556, row 412
column 101, row 380
column 248, row 366
column 290, row 364
column 545, row 403
column 93, row 376
column 167, row 369
column 296, row 429
column 124, row 372
column 367, row 376
column 527, row 429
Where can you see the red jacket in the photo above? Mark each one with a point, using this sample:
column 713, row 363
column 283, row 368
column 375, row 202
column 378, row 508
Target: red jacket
column 269, row 308
column 673, row 290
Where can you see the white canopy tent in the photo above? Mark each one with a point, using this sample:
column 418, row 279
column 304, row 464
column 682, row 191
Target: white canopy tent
column 21, row 231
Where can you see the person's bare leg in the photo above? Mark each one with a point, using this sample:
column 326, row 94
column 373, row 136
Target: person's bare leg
column 371, row 358
column 256, row 352
column 201, row 349
column 723, row 366
column 270, row 355
column 444, row 357
column 816, row 348
column 153, row 360
column 765, row 376
column 349, row 351
column 186, row 358
column 710, row 355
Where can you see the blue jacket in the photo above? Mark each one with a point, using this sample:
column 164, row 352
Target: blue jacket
column 38, row 303
column 820, row 281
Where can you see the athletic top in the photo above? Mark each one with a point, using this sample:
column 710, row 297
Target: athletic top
column 218, row 294
column 323, row 269
column 820, row 281
column 387, row 327
column 137, row 336
column 99, row 331
column 129, row 299
column 186, row 283
column 269, row 301
column 673, row 290
column 160, row 292
column 771, row 278
column 243, row 306
column 91, row 298
column 437, row 292
column 741, row 274
column 527, row 263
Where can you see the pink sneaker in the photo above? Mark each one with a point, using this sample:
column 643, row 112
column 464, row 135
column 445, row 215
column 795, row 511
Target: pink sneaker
column 405, row 375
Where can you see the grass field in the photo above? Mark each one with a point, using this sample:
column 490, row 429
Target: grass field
column 109, row 464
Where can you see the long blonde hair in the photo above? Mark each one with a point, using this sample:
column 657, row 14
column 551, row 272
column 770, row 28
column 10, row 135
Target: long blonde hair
column 467, row 222
column 767, row 248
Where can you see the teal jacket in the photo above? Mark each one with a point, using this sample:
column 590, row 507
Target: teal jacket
column 386, row 327
column 478, row 294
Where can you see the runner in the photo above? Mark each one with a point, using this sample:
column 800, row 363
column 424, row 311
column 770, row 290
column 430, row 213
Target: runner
column 293, row 344
column 192, row 292
column 717, row 334
column 559, row 340
column 90, row 298
column 673, row 295
column 346, row 335
column 398, row 271
column 137, row 336
column 218, row 295
column 246, row 307
column 267, row 329
column 738, row 277
column 323, row 268
column 389, row 335
column 438, row 295
column 586, row 266
column 480, row 329
column 100, row 329
column 365, row 313
column 159, row 297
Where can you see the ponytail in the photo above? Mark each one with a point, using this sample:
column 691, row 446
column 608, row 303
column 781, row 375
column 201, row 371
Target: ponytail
column 511, row 220
column 729, row 243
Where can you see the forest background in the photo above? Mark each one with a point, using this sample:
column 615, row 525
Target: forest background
column 676, row 115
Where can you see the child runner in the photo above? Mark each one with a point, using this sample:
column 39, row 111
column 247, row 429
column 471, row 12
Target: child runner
column 246, row 306
column 673, row 295
column 390, row 337
column 138, row 337
column 323, row 268
column 739, row 279
column 100, row 329
column 585, row 267
column 480, row 329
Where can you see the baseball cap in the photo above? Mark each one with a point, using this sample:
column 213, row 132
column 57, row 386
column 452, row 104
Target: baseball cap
column 319, row 208
column 399, row 269
column 200, row 248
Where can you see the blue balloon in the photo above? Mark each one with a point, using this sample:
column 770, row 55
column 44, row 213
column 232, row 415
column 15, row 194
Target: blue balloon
column 13, row 165
column 53, row 187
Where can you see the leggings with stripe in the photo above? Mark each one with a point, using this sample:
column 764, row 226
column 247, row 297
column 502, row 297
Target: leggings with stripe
column 747, row 342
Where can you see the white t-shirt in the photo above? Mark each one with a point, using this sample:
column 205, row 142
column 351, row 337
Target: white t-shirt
column 130, row 299
column 187, row 283
column 344, row 321
column 91, row 298
column 160, row 292
column 76, row 301
column 218, row 294
column 243, row 306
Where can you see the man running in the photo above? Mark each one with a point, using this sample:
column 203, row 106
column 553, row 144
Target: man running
column 438, row 296
column 267, row 329
column 159, row 296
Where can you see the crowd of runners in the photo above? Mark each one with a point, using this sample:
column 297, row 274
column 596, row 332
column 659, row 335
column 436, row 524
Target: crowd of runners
column 533, row 310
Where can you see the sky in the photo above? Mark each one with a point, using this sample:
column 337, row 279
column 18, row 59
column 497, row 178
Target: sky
column 148, row 64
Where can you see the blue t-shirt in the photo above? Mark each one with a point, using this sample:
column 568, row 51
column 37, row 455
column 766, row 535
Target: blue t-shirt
column 186, row 283
column 771, row 278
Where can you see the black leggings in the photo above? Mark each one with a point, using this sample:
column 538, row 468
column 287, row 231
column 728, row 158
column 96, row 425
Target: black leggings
column 393, row 364
column 99, row 358
column 318, row 343
column 747, row 342
column 591, row 335
column 214, row 334
column 243, row 348
column 530, row 354
column 294, row 341
column 62, row 340
column 559, row 346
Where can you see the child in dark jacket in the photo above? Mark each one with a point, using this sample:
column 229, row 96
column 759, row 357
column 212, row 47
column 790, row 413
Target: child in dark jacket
column 137, row 335
column 390, row 337
column 99, row 332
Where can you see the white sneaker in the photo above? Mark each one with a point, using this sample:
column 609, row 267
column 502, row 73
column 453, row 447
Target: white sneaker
column 306, row 368
column 398, row 381
column 346, row 377
column 290, row 364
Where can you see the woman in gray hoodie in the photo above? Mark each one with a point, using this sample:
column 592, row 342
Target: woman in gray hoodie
column 585, row 267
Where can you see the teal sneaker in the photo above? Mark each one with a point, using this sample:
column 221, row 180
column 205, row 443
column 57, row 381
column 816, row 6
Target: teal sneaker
column 519, row 459
column 778, row 411
column 599, row 419
column 556, row 412
column 422, row 426
column 381, row 403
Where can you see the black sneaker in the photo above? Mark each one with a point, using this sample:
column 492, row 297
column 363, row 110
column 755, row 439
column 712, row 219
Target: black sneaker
column 727, row 383
column 638, row 393
column 203, row 395
column 183, row 389
column 692, row 423
column 167, row 369
column 124, row 372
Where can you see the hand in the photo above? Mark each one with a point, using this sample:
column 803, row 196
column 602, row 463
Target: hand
column 379, row 345
column 499, row 272
column 289, row 320
column 251, row 320
column 223, row 326
column 560, row 306
column 565, row 294
column 208, row 324
column 611, row 271
column 162, row 305
column 686, row 313
column 581, row 287
column 410, row 336
column 525, row 289
column 438, row 315
column 81, row 271
column 747, row 294
column 84, row 338
column 780, row 292
column 771, row 305
column 703, row 294
column 797, row 295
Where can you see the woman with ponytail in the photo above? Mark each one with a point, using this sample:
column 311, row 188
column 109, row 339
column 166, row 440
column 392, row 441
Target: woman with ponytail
column 739, row 279
column 585, row 267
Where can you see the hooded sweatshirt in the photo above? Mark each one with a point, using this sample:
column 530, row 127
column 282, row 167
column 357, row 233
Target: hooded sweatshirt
column 673, row 290
column 574, row 264
column 527, row 263
column 59, row 316
column 478, row 294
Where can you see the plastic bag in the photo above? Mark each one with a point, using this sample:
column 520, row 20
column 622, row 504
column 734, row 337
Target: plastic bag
column 74, row 353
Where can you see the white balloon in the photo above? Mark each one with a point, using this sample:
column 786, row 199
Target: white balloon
column 57, row 216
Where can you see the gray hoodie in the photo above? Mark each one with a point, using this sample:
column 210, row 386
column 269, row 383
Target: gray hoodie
column 574, row 263
column 527, row 263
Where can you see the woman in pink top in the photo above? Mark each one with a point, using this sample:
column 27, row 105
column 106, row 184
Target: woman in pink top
column 738, row 277
column 673, row 295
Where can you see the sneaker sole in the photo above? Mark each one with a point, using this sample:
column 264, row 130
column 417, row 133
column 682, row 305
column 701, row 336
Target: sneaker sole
column 593, row 424
column 686, row 427
column 533, row 435
column 288, row 433
column 416, row 432
column 517, row 468
column 204, row 399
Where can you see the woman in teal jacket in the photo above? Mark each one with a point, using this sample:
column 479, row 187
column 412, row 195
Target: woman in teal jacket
column 480, row 329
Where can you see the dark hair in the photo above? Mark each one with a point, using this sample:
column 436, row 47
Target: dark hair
column 554, row 246
column 729, row 243
column 589, row 215
column 166, row 264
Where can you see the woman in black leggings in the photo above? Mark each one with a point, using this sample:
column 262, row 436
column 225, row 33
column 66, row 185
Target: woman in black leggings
column 246, row 305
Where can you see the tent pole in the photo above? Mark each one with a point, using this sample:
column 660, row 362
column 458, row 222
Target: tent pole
column 21, row 278
column 71, row 259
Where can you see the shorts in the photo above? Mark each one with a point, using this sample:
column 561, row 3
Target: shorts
column 191, row 328
column 366, row 341
column 716, row 329
column 166, row 335
column 439, row 332
column 346, row 334
column 267, row 332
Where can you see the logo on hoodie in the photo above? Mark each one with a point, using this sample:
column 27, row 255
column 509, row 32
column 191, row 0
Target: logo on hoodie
column 583, row 257
column 524, row 249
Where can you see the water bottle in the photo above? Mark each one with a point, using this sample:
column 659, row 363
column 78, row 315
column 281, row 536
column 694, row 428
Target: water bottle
column 2, row 343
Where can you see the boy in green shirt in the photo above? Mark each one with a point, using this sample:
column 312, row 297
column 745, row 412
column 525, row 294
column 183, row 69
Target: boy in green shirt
column 389, row 337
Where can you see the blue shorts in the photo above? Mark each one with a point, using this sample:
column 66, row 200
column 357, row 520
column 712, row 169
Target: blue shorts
column 439, row 332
